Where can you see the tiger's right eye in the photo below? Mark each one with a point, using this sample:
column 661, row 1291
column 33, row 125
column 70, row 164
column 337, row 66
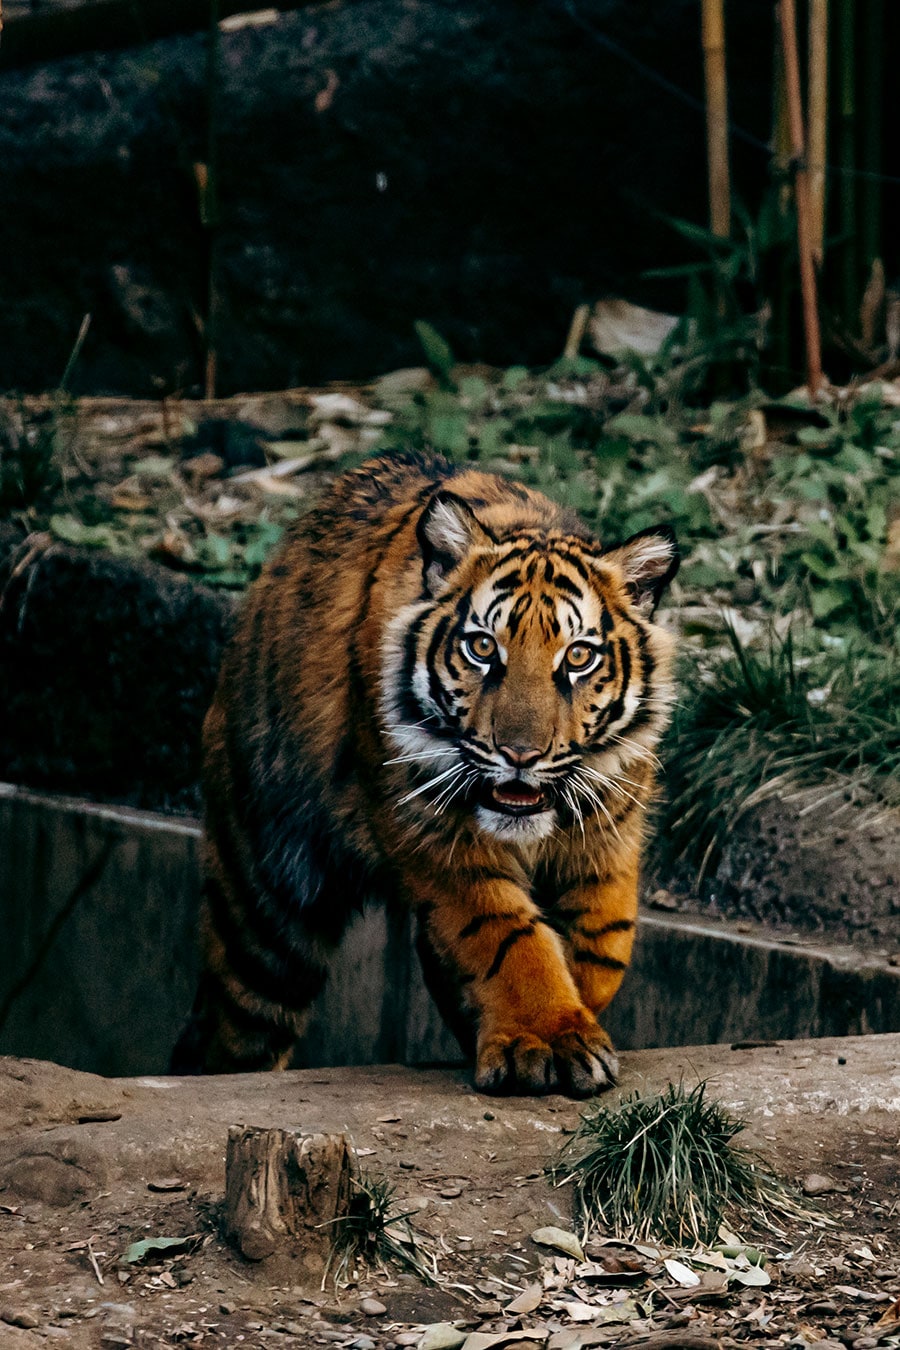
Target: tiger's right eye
column 479, row 648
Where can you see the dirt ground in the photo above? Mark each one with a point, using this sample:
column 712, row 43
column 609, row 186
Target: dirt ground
column 90, row 1165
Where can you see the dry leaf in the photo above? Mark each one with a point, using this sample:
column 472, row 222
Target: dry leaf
column 527, row 1301
column 559, row 1238
column 681, row 1274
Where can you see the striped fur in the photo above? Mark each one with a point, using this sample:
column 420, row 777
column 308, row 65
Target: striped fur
column 441, row 689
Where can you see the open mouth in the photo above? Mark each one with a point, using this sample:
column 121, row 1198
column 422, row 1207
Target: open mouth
column 516, row 798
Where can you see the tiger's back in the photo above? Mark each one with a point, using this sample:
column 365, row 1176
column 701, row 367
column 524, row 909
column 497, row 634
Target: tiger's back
column 440, row 690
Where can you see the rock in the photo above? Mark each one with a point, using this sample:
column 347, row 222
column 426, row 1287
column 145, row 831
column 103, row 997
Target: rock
column 371, row 1307
column 363, row 1343
column 442, row 1336
column 15, row 1317
column 816, row 1184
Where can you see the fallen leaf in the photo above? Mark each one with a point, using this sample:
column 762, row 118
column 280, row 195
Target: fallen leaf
column 890, row 1315
column 152, row 1246
column 560, row 1239
column 681, row 1274
column 527, row 1301
column 752, row 1276
column 580, row 1312
column 487, row 1340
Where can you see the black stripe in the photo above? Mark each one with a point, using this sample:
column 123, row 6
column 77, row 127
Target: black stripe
column 617, row 926
column 411, row 709
column 509, row 941
column 475, row 925
column 435, row 688
column 598, row 959
column 262, row 972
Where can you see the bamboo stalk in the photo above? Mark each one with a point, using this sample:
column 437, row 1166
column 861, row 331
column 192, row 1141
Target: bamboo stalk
column 873, row 58
column 817, row 121
column 850, row 276
column 716, row 117
column 209, row 203
column 788, row 17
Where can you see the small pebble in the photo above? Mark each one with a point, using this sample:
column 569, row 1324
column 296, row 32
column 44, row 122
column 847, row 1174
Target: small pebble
column 371, row 1307
column 226, row 1309
column 489, row 1115
column 865, row 1343
column 451, row 1192
column 405, row 1338
column 363, row 1343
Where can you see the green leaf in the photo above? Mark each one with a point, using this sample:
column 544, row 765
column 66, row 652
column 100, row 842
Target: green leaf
column 154, row 466
column 153, row 1246
column 73, row 531
column 438, row 353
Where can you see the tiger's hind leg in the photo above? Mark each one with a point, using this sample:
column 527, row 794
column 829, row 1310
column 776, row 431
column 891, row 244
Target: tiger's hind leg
column 267, row 949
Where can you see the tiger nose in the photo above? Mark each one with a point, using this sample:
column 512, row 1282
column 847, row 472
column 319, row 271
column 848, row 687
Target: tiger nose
column 520, row 755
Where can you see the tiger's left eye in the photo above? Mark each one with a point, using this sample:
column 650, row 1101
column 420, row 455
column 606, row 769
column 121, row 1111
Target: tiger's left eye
column 479, row 647
column 581, row 658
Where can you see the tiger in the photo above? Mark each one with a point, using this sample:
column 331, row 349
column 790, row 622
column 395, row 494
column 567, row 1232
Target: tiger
column 442, row 691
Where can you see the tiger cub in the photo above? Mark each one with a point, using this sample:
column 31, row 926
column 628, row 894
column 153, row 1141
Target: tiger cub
column 441, row 689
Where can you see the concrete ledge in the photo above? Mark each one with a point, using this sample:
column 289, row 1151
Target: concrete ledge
column 98, row 907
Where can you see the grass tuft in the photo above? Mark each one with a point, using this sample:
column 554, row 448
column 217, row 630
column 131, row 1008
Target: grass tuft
column 375, row 1232
column 666, row 1168
column 770, row 723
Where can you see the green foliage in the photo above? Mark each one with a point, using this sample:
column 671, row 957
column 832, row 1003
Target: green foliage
column 764, row 724
column 663, row 1167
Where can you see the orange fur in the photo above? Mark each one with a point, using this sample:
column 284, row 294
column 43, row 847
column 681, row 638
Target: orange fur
column 442, row 690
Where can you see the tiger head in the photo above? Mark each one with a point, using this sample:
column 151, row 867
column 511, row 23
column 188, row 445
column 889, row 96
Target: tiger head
column 529, row 675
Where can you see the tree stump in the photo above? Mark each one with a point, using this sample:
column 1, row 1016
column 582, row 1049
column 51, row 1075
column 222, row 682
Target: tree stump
column 283, row 1191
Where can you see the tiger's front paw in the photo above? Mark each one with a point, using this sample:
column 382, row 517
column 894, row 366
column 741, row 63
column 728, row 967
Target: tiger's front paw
column 578, row 1060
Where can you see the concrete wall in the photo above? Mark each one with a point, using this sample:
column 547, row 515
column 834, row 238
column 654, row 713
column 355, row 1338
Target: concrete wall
column 97, row 916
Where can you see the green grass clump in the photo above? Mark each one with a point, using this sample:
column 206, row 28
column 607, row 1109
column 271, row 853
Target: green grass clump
column 663, row 1167
column 770, row 723
column 374, row 1231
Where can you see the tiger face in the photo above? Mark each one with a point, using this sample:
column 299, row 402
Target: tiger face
column 529, row 675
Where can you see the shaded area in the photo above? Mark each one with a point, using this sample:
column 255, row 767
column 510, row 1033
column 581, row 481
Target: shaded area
column 484, row 168
column 107, row 667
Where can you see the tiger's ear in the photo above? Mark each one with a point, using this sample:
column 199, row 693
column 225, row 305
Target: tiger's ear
column 447, row 530
column 648, row 561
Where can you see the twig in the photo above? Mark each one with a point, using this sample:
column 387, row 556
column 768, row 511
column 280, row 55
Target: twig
column 576, row 332
column 93, row 1260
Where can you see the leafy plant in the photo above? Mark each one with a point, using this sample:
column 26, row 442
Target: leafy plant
column 664, row 1167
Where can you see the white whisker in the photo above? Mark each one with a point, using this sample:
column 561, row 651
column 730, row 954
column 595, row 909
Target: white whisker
column 432, row 782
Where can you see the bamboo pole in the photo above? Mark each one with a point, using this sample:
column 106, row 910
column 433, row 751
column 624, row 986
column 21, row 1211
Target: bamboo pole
column 209, row 201
column 850, row 271
column 788, row 17
column 873, row 61
column 817, row 119
column 716, row 117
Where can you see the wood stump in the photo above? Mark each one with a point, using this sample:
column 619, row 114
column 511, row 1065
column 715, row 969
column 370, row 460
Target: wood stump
column 283, row 1191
